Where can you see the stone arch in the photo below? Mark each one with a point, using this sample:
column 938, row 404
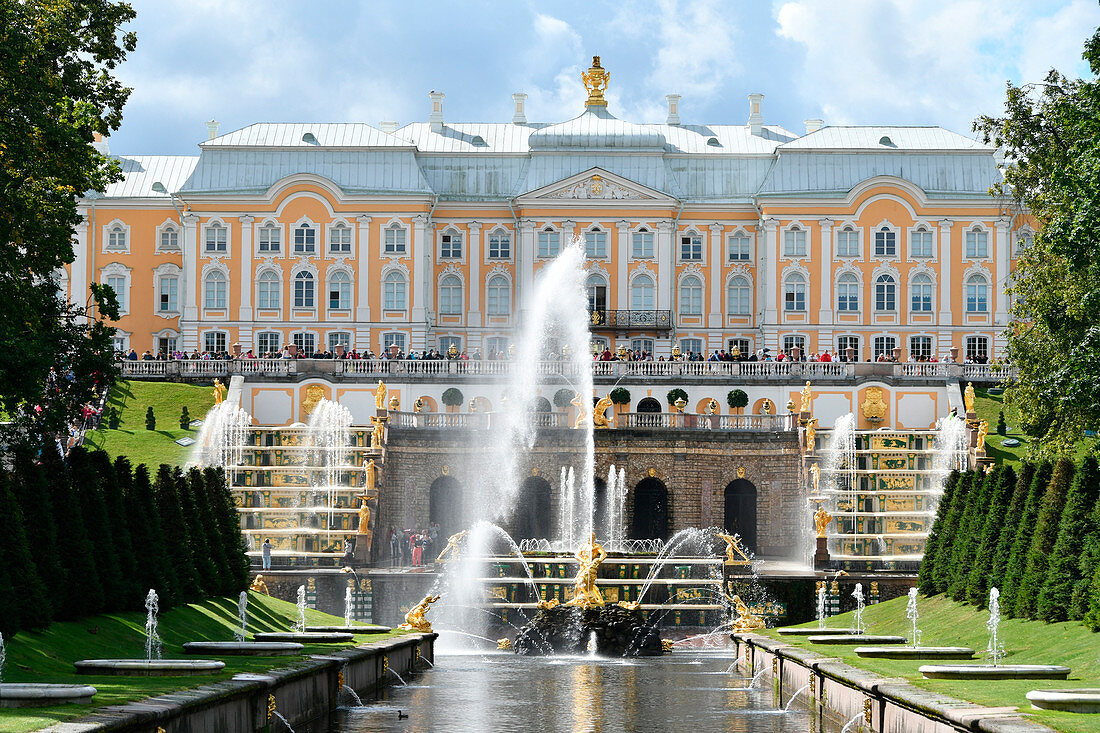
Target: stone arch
column 532, row 512
column 429, row 404
column 739, row 515
column 447, row 505
column 651, row 510
column 648, row 404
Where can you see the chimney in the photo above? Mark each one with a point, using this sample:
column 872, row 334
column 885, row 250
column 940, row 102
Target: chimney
column 673, row 109
column 519, row 117
column 212, row 129
column 436, row 117
column 813, row 125
column 390, row 127
column 756, row 113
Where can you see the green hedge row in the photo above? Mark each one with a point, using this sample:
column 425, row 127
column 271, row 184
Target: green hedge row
column 1035, row 535
column 84, row 536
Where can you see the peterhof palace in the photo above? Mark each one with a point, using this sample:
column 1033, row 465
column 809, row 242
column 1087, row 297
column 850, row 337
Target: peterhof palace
column 859, row 241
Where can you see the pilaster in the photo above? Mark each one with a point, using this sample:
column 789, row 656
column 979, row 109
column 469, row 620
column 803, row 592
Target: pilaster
column 825, row 312
column 189, row 332
column 244, row 313
column 473, row 317
column 78, row 274
column 946, row 256
column 525, row 266
column 714, row 320
column 363, row 278
column 666, row 269
column 1001, row 276
column 622, row 255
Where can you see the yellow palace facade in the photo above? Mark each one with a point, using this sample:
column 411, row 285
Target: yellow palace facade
column 702, row 236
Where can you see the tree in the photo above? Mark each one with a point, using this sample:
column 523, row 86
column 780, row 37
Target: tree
column 57, row 91
column 1002, row 426
column 150, row 419
column 1021, row 541
column 185, row 419
column 926, row 577
column 210, row 556
column 968, row 535
column 1056, row 598
column 31, row 487
column 676, row 394
column 978, row 580
column 1050, row 133
column 229, row 526
column 1088, row 565
column 82, row 593
column 562, row 398
column 620, row 396
column 115, row 486
column 177, row 538
column 1092, row 616
column 32, row 606
column 452, row 397
column 154, row 568
column 88, row 486
column 1007, row 535
column 1043, row 539
column 737, row 398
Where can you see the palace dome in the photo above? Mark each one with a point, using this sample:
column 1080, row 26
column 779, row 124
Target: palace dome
column 597, row 129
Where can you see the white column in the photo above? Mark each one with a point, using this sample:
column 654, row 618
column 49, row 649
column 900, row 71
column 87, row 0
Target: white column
column 525, row 266
column 78, row 274
column 244, row 313
column 473, row 318
column 622, row 255
column 825, row 312
column 363, row 253
column 189, row 334
column 769, row 287
column 715, row 318
column 1002, row 273
column 421, row 273
column 945, row 258
column 666, row 267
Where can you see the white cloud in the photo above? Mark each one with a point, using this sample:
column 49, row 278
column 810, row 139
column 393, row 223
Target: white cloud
column 553, row 69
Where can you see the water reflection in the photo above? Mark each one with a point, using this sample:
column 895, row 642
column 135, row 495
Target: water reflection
column 684, row 692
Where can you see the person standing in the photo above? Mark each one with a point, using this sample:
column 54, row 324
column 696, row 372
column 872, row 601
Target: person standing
column 265, row 553
column 395, row 547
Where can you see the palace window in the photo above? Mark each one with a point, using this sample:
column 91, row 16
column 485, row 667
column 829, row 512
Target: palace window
column 739, row 297
column 306, row 342
column 847, row 293
column 500, row 245
column 977, row 349
column 642, row 293
column 450, row 245
column 847, row 342
column 305, row 239
column 117, row 283
column 339, row 291
column 446, row 342
column 495, row 345
column 739, row 347
column 499, row 300
column 339, row 338
column 691, row 296
column 847, row 242
column 884, row 346
column 977, row 243
column 886, row 243
column 691, row 346
column 214, row 342
column 641, row 244
column 597, row 293
column 738, row 248
column 977, row 294
column 116, row 238
column 920, row 347
column 790, row 343
column 922, row 294
column 794, row 293
column 691, row 247
column 450, row 296
column 216, row 238
column 271, row 238
column 268, row 342
column 391, row 340
column 642, row 345
column 169, row 240
column 339, row 239
column 394, row 289
column 394, row 239
column 268, row 291
column 885, row 293
column 549, row 243
column 303, row 290
column 920, row 243
column 595, row 244
column 215, row 289
column 168, row 294
column 794, row 242
column 166, row 345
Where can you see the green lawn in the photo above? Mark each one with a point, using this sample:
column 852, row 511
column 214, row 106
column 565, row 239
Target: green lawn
column 48, row 656
column 152, row 447
column 988, row 406
column 946, row 623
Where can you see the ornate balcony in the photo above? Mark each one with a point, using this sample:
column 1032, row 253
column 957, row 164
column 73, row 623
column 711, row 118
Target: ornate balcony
column 629, row 320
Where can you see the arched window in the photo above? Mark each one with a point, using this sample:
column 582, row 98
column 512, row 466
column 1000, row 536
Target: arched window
column 977, row 243
column 847, row 242
column 500, row 245
column 642, row 293
column 794, row 293
column 886, row 242
column 339, row 239
column 116, row 238
column 739, row 296
column 595, row 243
column 339, row 291
column 794, row 242
column 269, row 290
column 885, row 293
column 394, row 240
column 847, row 293
column 271, row 238
column 499, row 296
column 216, row 289
column 691, row 296
column 922, row 293
column 305, row 239
column 450, row 245
column 216, row 240
column 169, row 239
column 394, row 289
column 596, row 287
column 977, row 294
column 303, row 290
column 450, row 295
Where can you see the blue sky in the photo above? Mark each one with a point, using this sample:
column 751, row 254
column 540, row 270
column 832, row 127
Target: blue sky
column 938, row 62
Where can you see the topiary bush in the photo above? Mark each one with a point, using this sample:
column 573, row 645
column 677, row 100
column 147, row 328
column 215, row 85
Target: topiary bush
column 1002, row 427
column 676, row 394
column 113, row 419
column 185, row 419
column 563, row 398
column 150, row 419
column 737, row 398
column 620, row 396
column 452, row 397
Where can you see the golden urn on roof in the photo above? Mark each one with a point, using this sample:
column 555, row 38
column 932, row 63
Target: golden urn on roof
column 595, row 81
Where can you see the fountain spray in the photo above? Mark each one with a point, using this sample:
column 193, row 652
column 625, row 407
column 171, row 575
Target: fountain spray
column 858, row 621
column 347, row 606
column 821, row 606
column 994, row 649
column 152, row 638
column 911, row 614
column 3, row 656
column 300, row 624
column 242, row 613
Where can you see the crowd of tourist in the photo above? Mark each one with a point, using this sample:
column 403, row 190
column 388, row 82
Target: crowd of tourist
column 415, row 547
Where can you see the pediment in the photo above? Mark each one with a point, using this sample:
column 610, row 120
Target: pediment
column 595, row 184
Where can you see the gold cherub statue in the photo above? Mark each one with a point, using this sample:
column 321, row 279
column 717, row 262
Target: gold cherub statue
column 452, row 546
column 585, row 592
column 680, row 404
column 811, row 434
column 418, row 406
column 968, row 397
column 595, row 81
column 711, row 408
column 766, row 407
column 380, row 396
column 746, row 620
column 735, row 554
column 821, row 520
column 259, row 585
column 983, row 430
column 415, row 619
column 578, row 402
column 220, row 390
column 807, row 399
column 599, row 419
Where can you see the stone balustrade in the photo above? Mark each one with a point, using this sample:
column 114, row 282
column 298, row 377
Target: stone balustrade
column 624, row 421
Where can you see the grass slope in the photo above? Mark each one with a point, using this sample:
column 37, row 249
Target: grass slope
column 946, row 623
column 48, row 656
column 987, row 406
column 152, row 447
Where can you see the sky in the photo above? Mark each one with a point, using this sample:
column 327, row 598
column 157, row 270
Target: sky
column 863, row 62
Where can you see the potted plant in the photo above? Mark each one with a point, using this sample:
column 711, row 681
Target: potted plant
column 620, row 397
column 676, row 394
column 737, row 399
column 452, row 398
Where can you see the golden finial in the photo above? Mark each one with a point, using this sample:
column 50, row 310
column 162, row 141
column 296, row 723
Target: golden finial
column 595, row 81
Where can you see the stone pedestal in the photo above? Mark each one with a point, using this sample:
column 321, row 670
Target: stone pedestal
column 821, row 554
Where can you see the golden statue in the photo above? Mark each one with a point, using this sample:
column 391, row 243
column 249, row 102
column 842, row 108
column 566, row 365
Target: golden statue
column 821, row 520
column 547, row 605
column 735, row 554
column 599, row 419
column 766, row 408
column 418, row 406
column 220, row 390
column 667, row 645
column 873, row 407
column 815, row 474
column 504, row 644
column 415, row 619
column 806, row 402
column 452, row 351
column 585, row 592
column 259, row 585
column 364, row 519
column 473, row 405
column 983, row 430
column 746, row 620
column 595, row 81
column 452, row 546
column 811, row 434
column 711, row 407
column 680, row 404
column 578, row 402
column 395, row 403
column 630, row 605
column 968, row 397
column 370, row 475
column 676, row 354
column 380, row 396
column 376, row 434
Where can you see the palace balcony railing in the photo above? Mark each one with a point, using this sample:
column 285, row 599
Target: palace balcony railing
column 429, row 369
column 630, row 320
column 623, row 421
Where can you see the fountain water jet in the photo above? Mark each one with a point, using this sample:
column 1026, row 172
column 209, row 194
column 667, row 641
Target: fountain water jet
column 242, row 613
column 152, row 638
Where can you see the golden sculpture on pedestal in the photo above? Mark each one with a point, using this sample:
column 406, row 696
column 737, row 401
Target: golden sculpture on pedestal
column 811, row 434
column 821, row 520
column 220, row 390
column 968, row 397
column 873, row 406
column 364, row 520
column 585, row 592
column 766, row 407
column 473, row 405
column 370, row 476
column 415, row 619
column 735, row 553
column 815, row 475
column 578, row 402
column 983, row 430
column 376, row 433
column 547, row 605
column 504, row 644
column 680, row 404
column 418, row 406
column 452, row 546
column 595, row 81
column 711, row 408
column 806, row 401
column 380, row 396
column 746, row 620
column 599, row 419
column 259, row 585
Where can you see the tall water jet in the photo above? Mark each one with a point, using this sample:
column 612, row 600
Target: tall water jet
column 912, row 615
column 821, row 605
column 951, row 448
column 347, row 605
column 242, row 613
column 152, row 638
column 3, row 657
column 857, row 622
column 300, row 624
column 329, row 435
column 994, row 649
